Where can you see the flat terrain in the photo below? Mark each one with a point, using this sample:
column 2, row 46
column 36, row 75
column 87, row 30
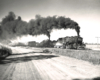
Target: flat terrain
column 93, row 46
column 33, row 64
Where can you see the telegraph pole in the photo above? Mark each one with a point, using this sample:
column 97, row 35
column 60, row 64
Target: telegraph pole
column 97, row 40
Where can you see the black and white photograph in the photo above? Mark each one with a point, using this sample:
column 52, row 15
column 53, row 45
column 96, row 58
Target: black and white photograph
column 49, row 39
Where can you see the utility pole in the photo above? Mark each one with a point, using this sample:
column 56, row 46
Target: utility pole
column 97, row 40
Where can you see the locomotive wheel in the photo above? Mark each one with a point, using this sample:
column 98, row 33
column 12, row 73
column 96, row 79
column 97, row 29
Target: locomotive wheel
column 74, row 45
column 69, row 46
column 66, row 47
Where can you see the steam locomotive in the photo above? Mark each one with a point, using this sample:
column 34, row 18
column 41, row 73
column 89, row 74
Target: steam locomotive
column 73, row 42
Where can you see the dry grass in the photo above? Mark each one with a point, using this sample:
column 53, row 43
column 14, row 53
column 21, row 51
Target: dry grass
column 87, row 55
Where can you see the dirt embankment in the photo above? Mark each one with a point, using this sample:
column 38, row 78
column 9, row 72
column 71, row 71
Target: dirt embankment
column 33, row 64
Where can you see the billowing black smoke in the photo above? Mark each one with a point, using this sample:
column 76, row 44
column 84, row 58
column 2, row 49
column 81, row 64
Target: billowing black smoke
column 12, row 27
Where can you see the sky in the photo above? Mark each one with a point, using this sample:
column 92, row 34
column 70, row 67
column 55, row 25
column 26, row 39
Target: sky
column 85, row 12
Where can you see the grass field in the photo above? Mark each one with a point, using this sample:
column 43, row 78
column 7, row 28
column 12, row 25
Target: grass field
column 92, row 56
